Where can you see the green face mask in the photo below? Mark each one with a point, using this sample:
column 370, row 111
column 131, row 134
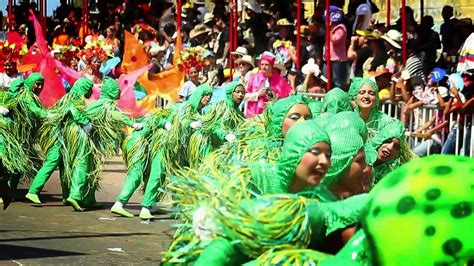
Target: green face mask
column 335, row 101
column 277, row 113
column 299, row 139
column 31, row 80
column 198, row 94
column 82, row 87
column 110, row 89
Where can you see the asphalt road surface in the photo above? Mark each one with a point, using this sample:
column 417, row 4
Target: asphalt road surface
column 55, row 234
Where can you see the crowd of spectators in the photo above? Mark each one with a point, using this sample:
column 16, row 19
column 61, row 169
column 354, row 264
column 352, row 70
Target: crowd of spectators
column 360, row 47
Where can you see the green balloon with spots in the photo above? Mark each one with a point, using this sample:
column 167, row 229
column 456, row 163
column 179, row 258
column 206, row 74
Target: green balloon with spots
column 422, row 213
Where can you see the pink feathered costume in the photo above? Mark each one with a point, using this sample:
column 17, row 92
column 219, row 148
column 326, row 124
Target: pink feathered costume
column 280, row 87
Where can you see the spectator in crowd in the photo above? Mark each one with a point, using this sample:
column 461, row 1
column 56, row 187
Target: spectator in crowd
column 265, row 86
column 363, row 16
column 447, row 29
column 190, row 86
column 429, row 44
column 338, row 48
column 222, row 46
column 111, row 39
column 256, row 24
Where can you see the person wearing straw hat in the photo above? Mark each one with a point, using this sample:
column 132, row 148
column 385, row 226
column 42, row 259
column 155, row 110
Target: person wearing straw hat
column 245, row 66
column 283, row 44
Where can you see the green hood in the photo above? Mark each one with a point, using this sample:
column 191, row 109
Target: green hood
column 335, row 101
column 390, row 131
column 278, row 111
column 82, row 87
column 431, row 196
column 15, row 87
column 31, row 80
column 346, row 140
column 370, row 154
column 374, row 113
column 298, row 140
column 198, row 94
column 354, row 88
column 316, row 107
column 110, row 89
column 229, row 90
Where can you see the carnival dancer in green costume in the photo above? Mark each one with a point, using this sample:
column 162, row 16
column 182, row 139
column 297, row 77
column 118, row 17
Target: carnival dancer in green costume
column 389, row 145
column 13, row 158
column 347, row 175
column 432, row 199
column 170, row 149
column 69, row 109
column 365, row 93
column 27, row 113
column 303, row 164
column 108, row 123
column 219, row 124
column 136, row 154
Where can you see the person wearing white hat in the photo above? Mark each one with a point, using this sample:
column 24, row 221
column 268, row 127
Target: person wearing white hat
column 238, row 53
column 245, row 66
column 315, row 81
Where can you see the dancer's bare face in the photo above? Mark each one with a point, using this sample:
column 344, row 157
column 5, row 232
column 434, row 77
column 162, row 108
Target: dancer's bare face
column 297, row 113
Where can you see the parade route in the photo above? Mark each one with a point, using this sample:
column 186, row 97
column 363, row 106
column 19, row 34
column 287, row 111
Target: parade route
column 55, row 234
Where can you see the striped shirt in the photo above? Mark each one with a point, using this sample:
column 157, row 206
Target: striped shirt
column 414, row 66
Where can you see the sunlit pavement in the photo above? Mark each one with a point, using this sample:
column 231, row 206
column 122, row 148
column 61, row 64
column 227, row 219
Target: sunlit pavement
column 55, row 234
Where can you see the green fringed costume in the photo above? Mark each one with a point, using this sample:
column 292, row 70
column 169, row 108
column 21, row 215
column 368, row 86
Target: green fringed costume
column 259, row 148
column 136, row 152
column 108, row 123
column 27, row 113
column 335, row 101
column 261, row 214
column 107, row 119
column 169, row 149
column 432, row 199
column 61, row 136
column 222, row 119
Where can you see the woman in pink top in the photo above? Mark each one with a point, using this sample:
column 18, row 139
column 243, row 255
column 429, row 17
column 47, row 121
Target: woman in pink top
column 264, row 86
column 337, row 46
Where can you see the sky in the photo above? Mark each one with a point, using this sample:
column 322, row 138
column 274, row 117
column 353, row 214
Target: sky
column 51, row 5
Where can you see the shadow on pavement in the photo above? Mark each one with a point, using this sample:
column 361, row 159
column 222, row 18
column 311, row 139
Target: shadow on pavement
column 12, row 252
column 69, row 236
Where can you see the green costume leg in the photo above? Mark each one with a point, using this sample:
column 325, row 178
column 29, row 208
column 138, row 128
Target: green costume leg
column 134, row 176
column 78, row 182
column 157, row 175
column 52, row 161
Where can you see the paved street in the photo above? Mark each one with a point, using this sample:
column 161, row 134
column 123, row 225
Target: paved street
column 55, row 234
